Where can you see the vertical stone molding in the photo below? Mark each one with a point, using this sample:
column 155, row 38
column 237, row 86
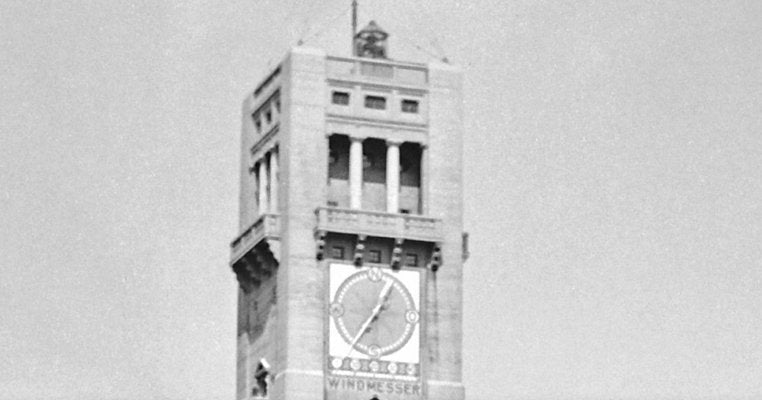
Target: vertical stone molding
column 392, row 176
column 274, row 181
column 355, row 173
column 424, row 188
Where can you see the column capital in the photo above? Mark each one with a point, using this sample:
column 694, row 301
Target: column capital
column 394, row 142
column 270, row 149
column 356, row 138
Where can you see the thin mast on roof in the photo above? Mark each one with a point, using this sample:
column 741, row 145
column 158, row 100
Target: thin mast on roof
column 354, row 26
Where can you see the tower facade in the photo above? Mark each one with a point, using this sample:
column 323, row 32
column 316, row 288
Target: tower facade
column 350, row 248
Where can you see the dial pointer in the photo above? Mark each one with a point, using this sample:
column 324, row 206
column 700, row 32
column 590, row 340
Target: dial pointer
column 382, row 297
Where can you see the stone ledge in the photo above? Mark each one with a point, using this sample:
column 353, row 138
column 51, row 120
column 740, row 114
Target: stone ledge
column 377, row 223
column 266, row 226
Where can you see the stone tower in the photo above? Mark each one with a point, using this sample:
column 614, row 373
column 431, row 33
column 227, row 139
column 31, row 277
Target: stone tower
column 351, row 246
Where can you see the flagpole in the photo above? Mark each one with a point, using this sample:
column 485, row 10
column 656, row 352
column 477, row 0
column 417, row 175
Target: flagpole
column 354, row 26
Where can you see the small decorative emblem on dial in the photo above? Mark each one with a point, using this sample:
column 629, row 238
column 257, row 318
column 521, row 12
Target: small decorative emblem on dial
column 392, row 368
column 375, row 274
column 337, row 310
column 411, row 316
column 374, row 351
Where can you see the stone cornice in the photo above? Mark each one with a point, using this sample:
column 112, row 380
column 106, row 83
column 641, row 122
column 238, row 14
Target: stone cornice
column 386, row 86
column 381, row 123
column 265, row 143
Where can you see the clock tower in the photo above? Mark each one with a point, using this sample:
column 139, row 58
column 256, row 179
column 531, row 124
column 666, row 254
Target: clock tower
column 350, row 248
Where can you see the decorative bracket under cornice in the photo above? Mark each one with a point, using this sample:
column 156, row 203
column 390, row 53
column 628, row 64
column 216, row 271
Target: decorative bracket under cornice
column 255, row 266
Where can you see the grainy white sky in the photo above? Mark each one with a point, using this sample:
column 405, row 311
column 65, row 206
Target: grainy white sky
column 613, row 167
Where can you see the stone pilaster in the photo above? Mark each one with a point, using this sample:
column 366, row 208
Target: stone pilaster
column 262, row 179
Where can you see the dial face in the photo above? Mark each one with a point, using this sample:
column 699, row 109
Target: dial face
column 374, row 312
column 374, row 319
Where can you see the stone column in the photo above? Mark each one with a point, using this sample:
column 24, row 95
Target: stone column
column 392, row 176
column 262, row 177
column 423, row 189
column 274, row 181
column 355, row 173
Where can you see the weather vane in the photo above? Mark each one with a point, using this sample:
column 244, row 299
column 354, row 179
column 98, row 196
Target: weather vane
column 370, row 41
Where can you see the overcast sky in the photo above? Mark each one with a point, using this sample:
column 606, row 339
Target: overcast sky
column 613, row 165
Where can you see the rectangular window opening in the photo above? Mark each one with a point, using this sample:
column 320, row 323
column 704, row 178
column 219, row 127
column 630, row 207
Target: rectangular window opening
column 374, row 256
column 341, row 98
column 410, row 106
column 375, row 102
column 337, row 252
column 411, row 260
column 257, row 122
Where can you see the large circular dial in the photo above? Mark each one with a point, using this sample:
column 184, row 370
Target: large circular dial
column 374, row 312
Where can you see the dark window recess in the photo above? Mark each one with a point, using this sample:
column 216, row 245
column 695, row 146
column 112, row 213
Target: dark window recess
column 269, row 116
column 368, row 161
column 410, row 166
column 374, row 256
column 338, row 157
column 341, row 98
column 333, row 203
column 410, row 106
column 375, row 102
column 337, row 252
column 257, row 122
column 405, row 164
column 374, row 161
column 404, row 211
column 411, row 260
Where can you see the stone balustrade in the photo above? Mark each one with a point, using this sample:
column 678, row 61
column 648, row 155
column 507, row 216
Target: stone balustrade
column 376, row 223
column 266, row 227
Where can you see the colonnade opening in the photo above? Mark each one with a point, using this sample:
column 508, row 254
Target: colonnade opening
column 410, row 200
column 374, row 174
column 265, row 171
column 338, row 171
